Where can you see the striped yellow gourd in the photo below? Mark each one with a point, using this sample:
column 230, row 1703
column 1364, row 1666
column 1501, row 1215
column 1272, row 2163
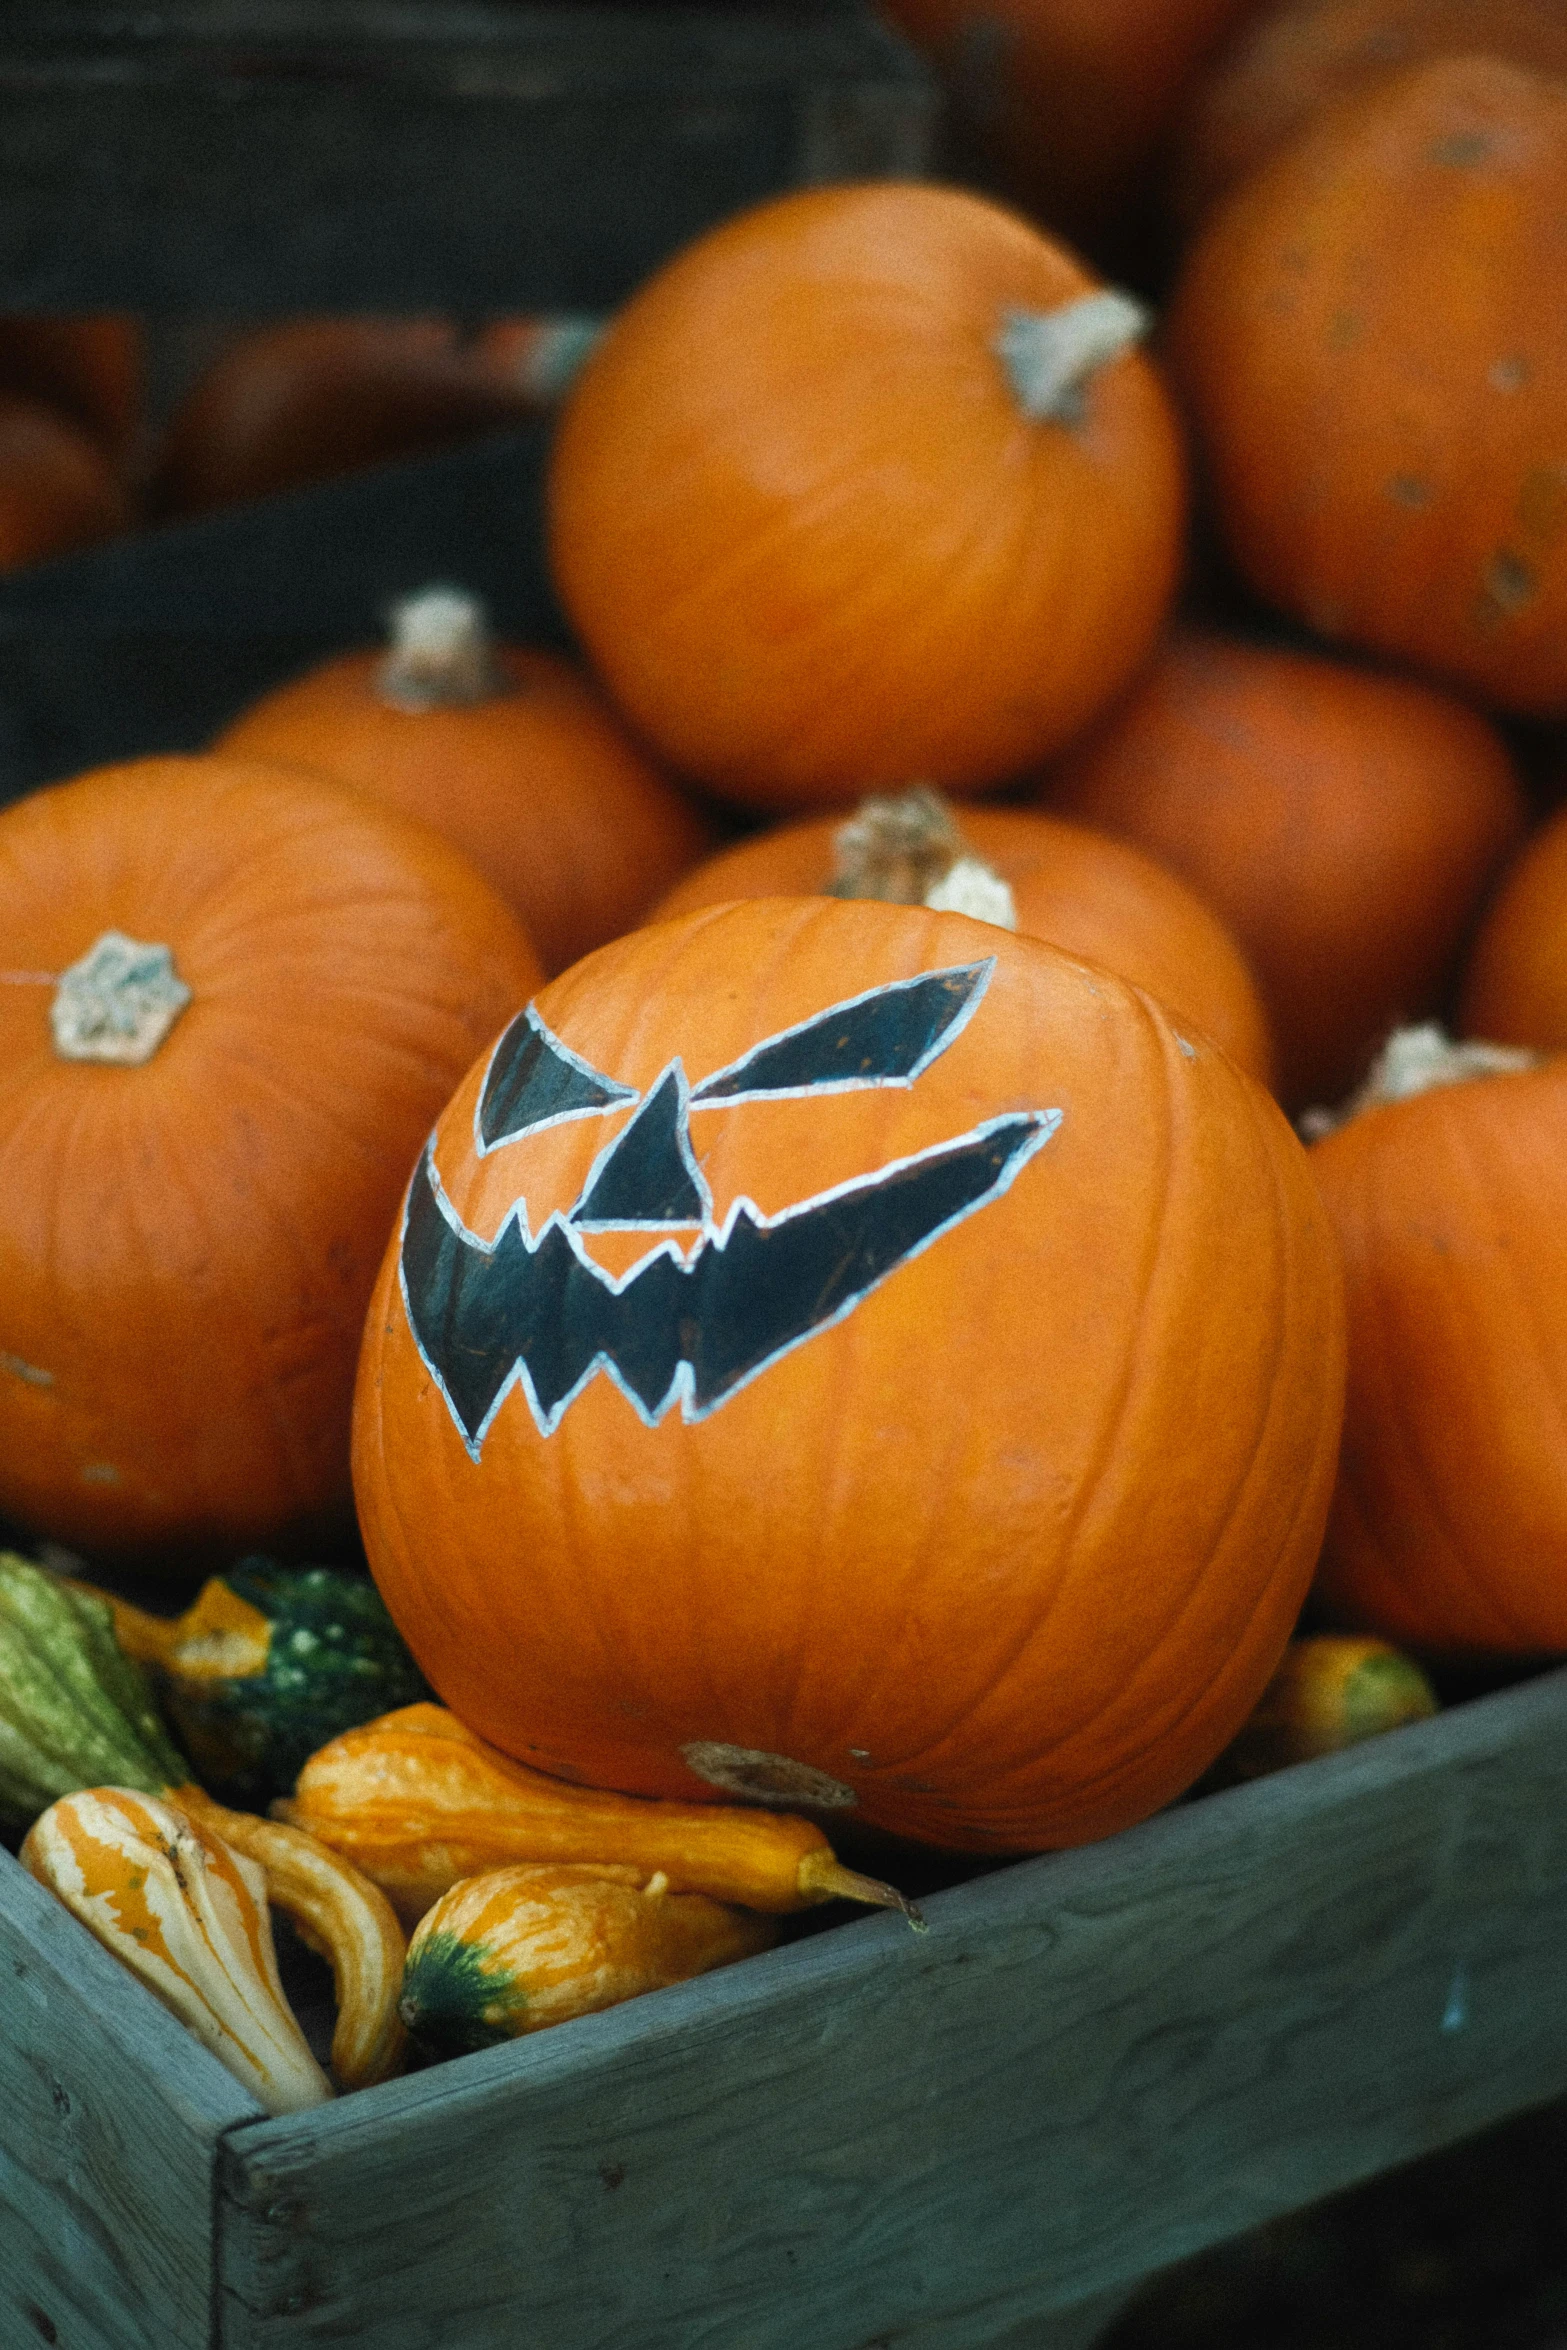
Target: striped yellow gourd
column 189, row 1917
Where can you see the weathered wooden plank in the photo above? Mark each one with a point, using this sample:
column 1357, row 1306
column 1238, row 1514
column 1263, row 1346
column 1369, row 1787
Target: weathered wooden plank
column 1094, row 2064
column 993, row 2325
column 254, row 155
column 109, row 2115
column 151, row 643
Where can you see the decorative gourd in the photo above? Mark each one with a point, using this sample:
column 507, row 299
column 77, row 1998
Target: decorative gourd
column 1515, row 980
column 520, row 1948
column 1450, row 1522
column 417, row 1802
column 1331, row 1691
column 1345, row 825
column 1363, row 333
column 188, row 1916
column 339, row 1914
column 1066, row 104
column 1287, row 62
column 91, row 367
column 75, row 1710
column 268, row 1663
column 307, row 398
column 72, row 1702
column 233, row 999
column 58, row 490
column 1085, row 893
column 509, row 751
column 867, row 484
column 773, row 1383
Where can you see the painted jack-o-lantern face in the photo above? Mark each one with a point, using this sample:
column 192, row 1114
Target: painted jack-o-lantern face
column 752, row 1401
column 713, row 1305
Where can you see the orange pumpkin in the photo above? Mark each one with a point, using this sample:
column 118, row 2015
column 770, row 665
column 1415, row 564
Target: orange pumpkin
column 1289, row 61
column 58, row 490
column 506, row 749
column 1515, row 981
column 1088, row 894
column 234, row 999
column 1365, row 333
column 1067, row 103
column 866, row 485
column 851, row 1356
column 91, row 367
column 307, row 398
column 1345, row 825
column 1449, row 1527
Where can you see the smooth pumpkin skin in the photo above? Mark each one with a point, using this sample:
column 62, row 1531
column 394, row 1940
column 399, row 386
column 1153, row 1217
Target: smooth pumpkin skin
column 1345, row 825
column 58, row 490
column 1068, row 102
column 1009, row 1550
column 1288, row 61
column 187, row 1247
column 1080, row 890
column 1365, row 336
column 92, row 367
column 805, row 531
column 1449, row 1526
column 541, row 786
column 1515, row 981
column 304, row 399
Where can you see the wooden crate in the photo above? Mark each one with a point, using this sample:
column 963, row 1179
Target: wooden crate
column 1093, row 2064
column 262, row 155
column 151, row 643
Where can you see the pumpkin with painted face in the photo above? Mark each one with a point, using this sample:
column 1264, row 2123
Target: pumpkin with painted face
column 849, row 1355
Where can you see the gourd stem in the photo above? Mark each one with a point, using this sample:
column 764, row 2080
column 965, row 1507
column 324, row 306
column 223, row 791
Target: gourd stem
column 908, row 850
column 823, row 1877
column 442, row 655
column 1418, row 1060
column 1051, row 355
column 117, row 1003
column 145, row 1638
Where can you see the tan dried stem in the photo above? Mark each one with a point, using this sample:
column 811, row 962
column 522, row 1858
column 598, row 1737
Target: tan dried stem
column 442, row 655
column 909, row 850
column 1417, row 1060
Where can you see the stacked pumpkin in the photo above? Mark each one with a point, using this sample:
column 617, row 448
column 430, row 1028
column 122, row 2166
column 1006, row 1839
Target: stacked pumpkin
column 862, row 1338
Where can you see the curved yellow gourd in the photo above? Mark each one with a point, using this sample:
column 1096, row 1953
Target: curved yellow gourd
column 188, row 1916
column 417, row 1802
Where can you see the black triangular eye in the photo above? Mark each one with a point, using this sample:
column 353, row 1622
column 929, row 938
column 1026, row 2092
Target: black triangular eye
column 534, row 1080
column 885, row 1037
column 648, row 1176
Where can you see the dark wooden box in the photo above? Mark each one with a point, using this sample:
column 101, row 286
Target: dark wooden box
column 263, row 155
column 976, row 2139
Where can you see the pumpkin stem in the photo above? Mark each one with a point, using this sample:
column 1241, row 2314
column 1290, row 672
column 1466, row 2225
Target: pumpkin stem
column 1051, row 355
column 555, row 355
column 442, row 654
column 117, row 1003
column 823, row 1877
column 1417, row 1060
column 909, row 851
